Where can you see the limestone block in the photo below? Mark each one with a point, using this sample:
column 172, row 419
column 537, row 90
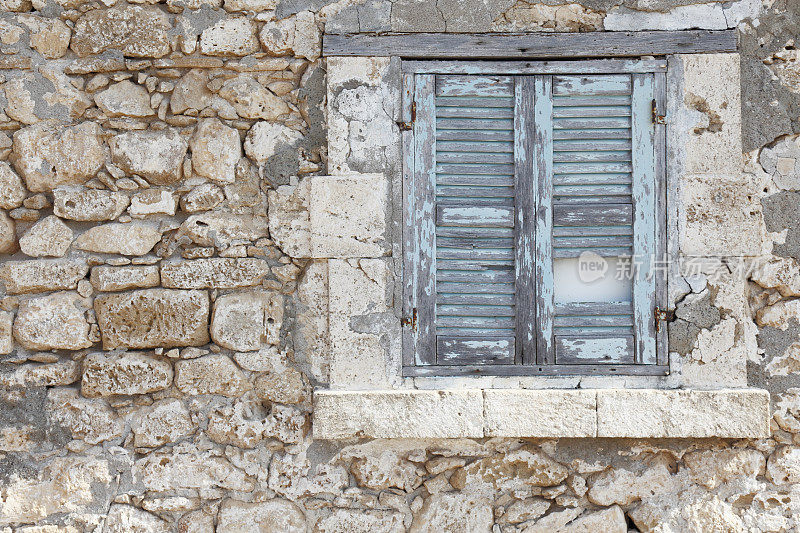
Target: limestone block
column 778, row 273
column 524, row 510
column 157, row 156
column 230, row 37
column 12, row 191
column 211, row 374
column 152, row 318
column 651, row 413
column 713, row 126
column 266, row 139
column 311, row 334
column 49, row 237
column 126, row 518
column 163, row 422
column 719, row 216
column 187, row 467
column 53, row 322
column 88, row 205
column 287, row 386
column 620, row 486
column 454, row 512
column 250, row 5
column 245, row 321
column 289, row 224
column 361, row 520
column 6, row 333
column 787, row 410
column 214, row 273
column 540, row 413
column 507, row 471
column 398, row 414
column 50, row 37
column 109, row 374
column 252, row 100
column 42, row 275
column 124, row 99
column 347, row 216
column 153, row 202
column 707, row 16
column 224, row 229
column 133, row 238
column 782, row 162
column 202, row 198
column 542, row 17
column 90, row 420
column 783, row 466
column 216, row 149
column 133, row 30
column 712, row 468
column 297, row 35
column 8, row 234
column 191, row 92
column 275, row 515
column 48, row 155
column 106, row 278
column 62, row 372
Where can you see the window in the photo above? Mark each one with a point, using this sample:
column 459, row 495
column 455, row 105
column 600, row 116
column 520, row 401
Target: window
column 534, row 205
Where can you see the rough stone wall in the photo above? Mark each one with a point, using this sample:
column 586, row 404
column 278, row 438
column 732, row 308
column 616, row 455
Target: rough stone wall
column 160, row 336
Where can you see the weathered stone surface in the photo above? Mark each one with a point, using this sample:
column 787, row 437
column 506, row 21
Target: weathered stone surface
column 111, row 279
column 525, row 16
column 129, row 519
column 187, row 467
column 90, row 420
column 214, row 273
column 712, row 468
column 52, row 322
column 163, row 422
column 273, row 516
column 224, row 229
column 507, row 471
column 133, row 30
column 266, row 139
column 216, row 149
column 360, row 521
column 153, row 202
column 245, row 321
column 524, row 510
column 782, row 162
column 202, row 198
column 230, row 37
column 157, row 156
column 49, row 237
column 252, row 100
column 211, row 374
column 289, row 223
column 787, row 410
column 287, row 386
column 297, row 35
column 540, row 413
column 779, row 315
column 783, row 465
column 47, row 155
column 8, row 234
column 454, row 512
column 153, row 317
column 6, row 332
column 384, row 414
column 708, row 16
column 12, row 191
column 133, row 238
column 191, row 92
column 42, row 275
column 88, row 205
column 124, row 99
column 381, row 470
column 49, row 37
column 623, row 487
column 109, row 374
column 58, row 373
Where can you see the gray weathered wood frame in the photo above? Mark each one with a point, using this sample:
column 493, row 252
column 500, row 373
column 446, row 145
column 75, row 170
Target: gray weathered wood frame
column 529, row 45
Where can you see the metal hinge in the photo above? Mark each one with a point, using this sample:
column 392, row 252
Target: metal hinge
column 410, row 321
column 663, row 315
column 658, row 119
column 407, row 126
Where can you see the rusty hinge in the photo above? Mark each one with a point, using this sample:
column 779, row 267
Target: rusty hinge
column 407, row 126
column 410, row 321
column 663, row 315
column 658, row 119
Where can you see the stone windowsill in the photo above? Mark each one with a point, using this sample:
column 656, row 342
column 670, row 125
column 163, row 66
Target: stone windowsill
column 478, row 413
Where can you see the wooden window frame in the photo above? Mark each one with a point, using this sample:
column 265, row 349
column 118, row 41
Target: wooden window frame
column 419, row 364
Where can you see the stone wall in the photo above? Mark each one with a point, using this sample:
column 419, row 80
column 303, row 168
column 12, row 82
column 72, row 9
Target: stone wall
column 165, row 308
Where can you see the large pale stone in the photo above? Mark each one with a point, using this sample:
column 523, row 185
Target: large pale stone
column 211, row 374
column 265, row 139
column 709, row 16
column 191, row 92
column 49, row 237
column 382, row 470
column 216, row 149
column 611, row 520
column 782, row 162
column 297, row 36
column 224, row 229
column 8, row 234
column 152, row 318
column 42, row 275
column 54, row 322
column 623, row 487
column 398, row 414
column 108, row 374
column 712, row 468
column 62, row 372
column 230, row 37
column 516, row 468
column 780, row 315
column 523, row 16
column 311, row 333
column 454, row 512
column 187, row 467
column 157, row 156
column 129, row 519
column 88, row 205
column 47, row 155
column 787, row 410
column 202, row 198
column 153, row 202
column 124, row 99
column 360, row 521
column 719, row 216
column 651, row 413
column 106, row 278
column 12, row 192
column 245, row 321
column 286, row 386
column 91, row 420
column 135, row 31
column 6, row 332
column 133, row 238
column 252, row 100
column 778, row 273
column 347, row 215
column 161, row 423
column 48, row 36
column 214, row 273
column 540, row 413
column 273, row 516
column 289, row 224
column 783, row 465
